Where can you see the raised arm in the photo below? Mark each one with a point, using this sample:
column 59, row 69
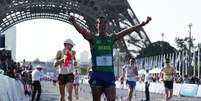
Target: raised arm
column 129, row 30
column 86, row 34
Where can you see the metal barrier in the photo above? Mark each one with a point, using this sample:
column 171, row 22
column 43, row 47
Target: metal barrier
column 191, row 90
column 11, row 89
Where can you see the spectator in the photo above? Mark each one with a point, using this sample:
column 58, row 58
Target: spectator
column 37, row 75
column 186, row 79
column 147, row 83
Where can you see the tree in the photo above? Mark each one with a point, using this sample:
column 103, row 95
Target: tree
column 186, row 44
column 183, row 43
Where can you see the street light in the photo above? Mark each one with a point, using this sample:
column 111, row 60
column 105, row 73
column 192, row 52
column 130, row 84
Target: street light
column 198, row 61
column 189, row 45
column 162, row 35
column 162, row 50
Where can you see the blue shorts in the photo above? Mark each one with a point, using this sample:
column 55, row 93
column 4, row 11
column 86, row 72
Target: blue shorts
column 131, row 84
column 104, row 79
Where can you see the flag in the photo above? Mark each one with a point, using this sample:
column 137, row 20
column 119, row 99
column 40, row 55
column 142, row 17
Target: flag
column 178, row 57
column 141, row 63
column 193, row 59
column 151, row 62
column 157, row 61
column 198, row 62
column 161, row 61
column 180, row 60
column 193, row 62
column 186, row 62
column 173, row 59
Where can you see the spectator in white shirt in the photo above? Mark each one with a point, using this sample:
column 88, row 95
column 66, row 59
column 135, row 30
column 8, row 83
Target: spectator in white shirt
column 37, row 75
column 147, row 83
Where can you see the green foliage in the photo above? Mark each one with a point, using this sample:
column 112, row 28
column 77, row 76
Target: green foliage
column 191, row 70
column 182, row 44
column 83, row 70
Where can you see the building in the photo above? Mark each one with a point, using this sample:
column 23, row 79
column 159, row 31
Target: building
column 84, row 59
column 10, row 41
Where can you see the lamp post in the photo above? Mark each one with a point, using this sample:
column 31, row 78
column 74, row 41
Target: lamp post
column 162, row 35
column 189, row 49
column 162, row 50
column 198, row 61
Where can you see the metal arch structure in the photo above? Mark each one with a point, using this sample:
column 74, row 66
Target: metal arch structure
column 118, row 13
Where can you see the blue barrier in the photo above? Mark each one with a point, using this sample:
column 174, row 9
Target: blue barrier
column 189, row 90
column 199, row 91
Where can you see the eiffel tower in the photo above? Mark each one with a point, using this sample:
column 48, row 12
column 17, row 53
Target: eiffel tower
column 118, row 13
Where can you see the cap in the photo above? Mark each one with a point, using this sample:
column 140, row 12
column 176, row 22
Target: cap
column 39, row 66
column 69, row 41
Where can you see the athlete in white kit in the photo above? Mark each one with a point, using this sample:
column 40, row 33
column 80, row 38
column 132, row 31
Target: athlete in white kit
column 130, row 74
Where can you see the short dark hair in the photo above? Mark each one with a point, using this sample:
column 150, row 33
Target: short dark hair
column 101, row 18
column 132, row 59
column 167, row 60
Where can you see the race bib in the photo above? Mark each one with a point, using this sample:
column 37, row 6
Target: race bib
column 104, row 60
column 69, row 68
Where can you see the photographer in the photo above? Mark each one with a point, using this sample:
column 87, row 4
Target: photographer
column 6, row 62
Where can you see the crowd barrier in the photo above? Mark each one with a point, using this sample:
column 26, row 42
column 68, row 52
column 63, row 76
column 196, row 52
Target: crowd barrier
column 190, row 90
column 11, row 89
column 199, row 91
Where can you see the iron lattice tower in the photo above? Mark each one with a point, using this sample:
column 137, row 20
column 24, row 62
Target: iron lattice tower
column 118, row 13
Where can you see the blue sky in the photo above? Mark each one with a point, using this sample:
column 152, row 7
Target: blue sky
column 43, row 37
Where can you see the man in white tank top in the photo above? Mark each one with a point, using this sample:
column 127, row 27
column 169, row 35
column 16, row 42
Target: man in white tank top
column 64, row 62
column 130, row 74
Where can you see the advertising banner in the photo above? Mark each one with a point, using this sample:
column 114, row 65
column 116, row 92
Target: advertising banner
column 199, row 91
column 189, row 90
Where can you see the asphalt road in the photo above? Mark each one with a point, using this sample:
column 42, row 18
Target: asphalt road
column 51, row 93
